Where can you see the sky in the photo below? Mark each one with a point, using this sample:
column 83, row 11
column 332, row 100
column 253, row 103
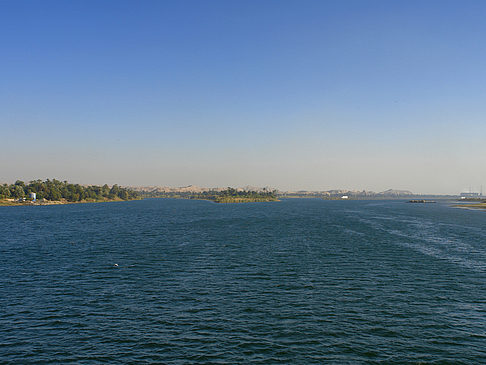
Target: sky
column 296, row 95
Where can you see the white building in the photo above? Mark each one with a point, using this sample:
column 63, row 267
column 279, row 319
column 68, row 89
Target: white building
column 470, row 195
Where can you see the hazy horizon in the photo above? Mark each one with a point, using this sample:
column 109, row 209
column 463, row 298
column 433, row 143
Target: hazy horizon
column 311, row 95
column 250, row 186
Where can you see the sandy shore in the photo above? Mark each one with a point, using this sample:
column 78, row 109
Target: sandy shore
column 474, row 206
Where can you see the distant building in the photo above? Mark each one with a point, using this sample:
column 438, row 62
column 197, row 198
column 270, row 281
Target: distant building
column 345, row 197
column 33, row 196
column 470, row 195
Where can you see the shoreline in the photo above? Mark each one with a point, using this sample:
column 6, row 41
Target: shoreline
column 12, row 203
column 242, row 201
column 474, row 206
column 224, row 201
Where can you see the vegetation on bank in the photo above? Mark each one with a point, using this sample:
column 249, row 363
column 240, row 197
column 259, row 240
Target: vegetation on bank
column 55, row 190
column 230, row 195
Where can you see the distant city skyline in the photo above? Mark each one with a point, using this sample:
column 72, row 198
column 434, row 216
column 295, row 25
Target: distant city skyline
column 314, row 95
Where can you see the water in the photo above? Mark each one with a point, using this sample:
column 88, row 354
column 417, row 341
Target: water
column 298, row 281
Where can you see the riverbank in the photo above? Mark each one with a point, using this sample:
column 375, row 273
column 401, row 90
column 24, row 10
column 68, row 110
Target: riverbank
column 15, row 203
column 224, row 200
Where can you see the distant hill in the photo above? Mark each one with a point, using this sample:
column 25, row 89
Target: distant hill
column 362, row 194
column 395, row 193
column 192, row 189
column 392, row 193
column 324, row 194
column 166, row 189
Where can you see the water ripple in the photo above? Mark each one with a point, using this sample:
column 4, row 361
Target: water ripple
column 300, row 281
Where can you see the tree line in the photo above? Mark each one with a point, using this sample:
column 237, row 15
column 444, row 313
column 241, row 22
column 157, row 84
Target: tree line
column 58, row 190
column 225, row 196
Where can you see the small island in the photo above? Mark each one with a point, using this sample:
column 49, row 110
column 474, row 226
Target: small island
column 229, row 195
column 50, row 192
column 421, row 201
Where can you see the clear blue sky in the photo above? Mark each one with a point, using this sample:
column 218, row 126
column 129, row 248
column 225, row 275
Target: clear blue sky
column 291, row 94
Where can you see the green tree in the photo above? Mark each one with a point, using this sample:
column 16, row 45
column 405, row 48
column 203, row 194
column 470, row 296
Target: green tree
column 17, row 192
column 4, row 191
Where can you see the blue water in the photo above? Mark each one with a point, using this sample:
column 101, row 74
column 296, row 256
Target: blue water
column 297, row 281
